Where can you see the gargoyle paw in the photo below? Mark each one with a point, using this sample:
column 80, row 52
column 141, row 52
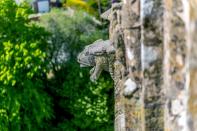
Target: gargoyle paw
column 93, row 78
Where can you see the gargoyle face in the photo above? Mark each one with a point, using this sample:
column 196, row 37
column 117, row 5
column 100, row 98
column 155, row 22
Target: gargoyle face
column 85, row 59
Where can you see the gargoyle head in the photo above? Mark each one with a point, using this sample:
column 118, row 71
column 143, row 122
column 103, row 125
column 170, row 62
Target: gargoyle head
column 85, row 58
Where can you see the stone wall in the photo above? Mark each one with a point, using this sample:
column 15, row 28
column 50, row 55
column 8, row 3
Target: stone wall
column 156, row 65
column 175, row 65
column 151, row 56
column 137, row 33
column 126, row 39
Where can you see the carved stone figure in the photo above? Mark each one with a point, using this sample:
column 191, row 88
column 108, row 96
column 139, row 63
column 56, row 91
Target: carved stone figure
column 100, row 55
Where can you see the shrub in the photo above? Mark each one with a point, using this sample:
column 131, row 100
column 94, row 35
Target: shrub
column 78, row 103
column 23, row 103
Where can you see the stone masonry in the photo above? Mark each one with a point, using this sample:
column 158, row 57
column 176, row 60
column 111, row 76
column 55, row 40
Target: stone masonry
column 154, row 65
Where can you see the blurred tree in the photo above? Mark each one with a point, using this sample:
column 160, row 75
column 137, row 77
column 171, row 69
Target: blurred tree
column 64, row 101
column 95, row 7
column 23, row 103
column 78, row 4
column 78, row 103
column 71, row 30
column 99, row 5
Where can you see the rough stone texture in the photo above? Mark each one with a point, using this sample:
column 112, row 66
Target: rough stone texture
column 175, row 50
column 167, row 88
column 116, row 36
column 130, row 23
column 152, row 55
column 124, row 33
column 192, row 42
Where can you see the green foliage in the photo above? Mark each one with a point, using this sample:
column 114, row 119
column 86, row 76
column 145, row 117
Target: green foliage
column 78, row 103
column 78, row 4
column 65, row 101
column 105, row 4
column 23, row 103
column 71, row 30
column 88, row 103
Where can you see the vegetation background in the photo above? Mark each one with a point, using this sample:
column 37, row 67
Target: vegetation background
column 42, row 86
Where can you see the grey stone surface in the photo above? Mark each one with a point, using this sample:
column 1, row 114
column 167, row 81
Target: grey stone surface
column 175, row 75
column 192, row 59
column 152, row 67
column 130, row 87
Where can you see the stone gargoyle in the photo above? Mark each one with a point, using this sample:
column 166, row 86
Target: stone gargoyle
column 100, row 55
